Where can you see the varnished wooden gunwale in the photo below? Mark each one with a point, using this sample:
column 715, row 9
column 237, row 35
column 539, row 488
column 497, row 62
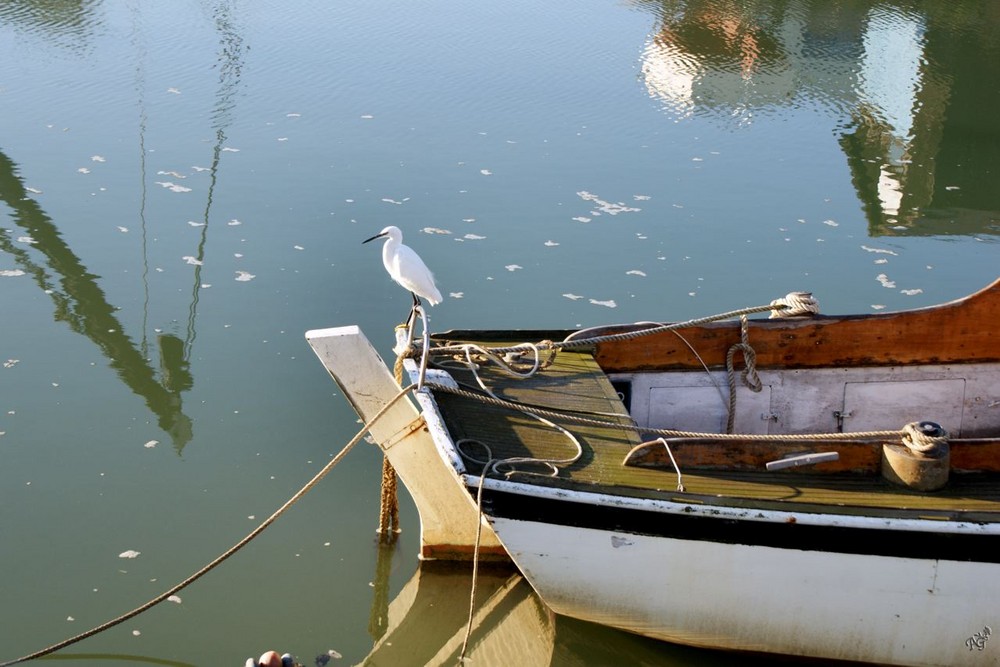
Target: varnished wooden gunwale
column 961, row 331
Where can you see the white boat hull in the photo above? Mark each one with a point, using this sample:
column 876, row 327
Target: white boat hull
column 845, row 606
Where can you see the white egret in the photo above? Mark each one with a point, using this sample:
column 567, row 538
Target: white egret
column 406, row 267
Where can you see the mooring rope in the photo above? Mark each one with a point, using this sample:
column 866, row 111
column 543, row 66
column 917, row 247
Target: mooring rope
column 665, row 432
column 225, row 555
column 577, row 339
column 475, row 556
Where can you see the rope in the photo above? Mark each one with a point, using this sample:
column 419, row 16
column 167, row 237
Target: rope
column 577, row 339
column 232, row 550
column 388, row 515
column 475, row 557
column 680, row 478
column 924, row 437
column 748, row 376
column 794, row 304
column 670, row 433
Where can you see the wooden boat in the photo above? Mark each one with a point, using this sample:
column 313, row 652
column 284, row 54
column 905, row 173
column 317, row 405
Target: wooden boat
column 840, row 500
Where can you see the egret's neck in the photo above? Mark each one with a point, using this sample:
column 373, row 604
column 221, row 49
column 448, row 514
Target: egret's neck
column 389, row 254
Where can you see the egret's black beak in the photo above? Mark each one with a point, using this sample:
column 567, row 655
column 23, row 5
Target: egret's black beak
column 377, row 236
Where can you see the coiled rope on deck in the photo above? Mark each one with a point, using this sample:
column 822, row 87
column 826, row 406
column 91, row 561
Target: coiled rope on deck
column 225, row 555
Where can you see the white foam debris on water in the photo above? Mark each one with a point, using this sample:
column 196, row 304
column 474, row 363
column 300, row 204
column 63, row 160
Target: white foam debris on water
column 83, row 170
column 123, row 230
column 572, row 297
column 635, row 272
column 230, row 149
column 10, row 363
column 151, row 444
column 175, row 599
column 193, row 261
column 456, row 295
column 879, row 251
column 196, row 224
column 473, row 237
column 551, row 244
column 388, row 200
column 641, row 197
column 136, row 633
column 951, row 188
column 513, row 267
column 26, row 239
column 468, row 219
column 884, row 279
column 70, row 619
column 605, row 206
column 293, row 115
column 580, row 218
column 912, row 292
column 234, row 223
column 173, row 187
column 174, row 91
column 831, row 223
column 878, row 306
column 610, row 303
column 367, row 116
column 196, row 168
column 881, row 260
column 297, row 247
column 171, row 173
column 11, row 273
column 485, row 172
column 97, row 158
column 244, row 276
column 435, row 230
column 131, row 553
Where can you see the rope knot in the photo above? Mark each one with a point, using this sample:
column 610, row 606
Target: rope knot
column 794, row 304
column 924, row 437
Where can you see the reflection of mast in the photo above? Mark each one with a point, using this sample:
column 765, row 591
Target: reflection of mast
column 82, row 304
column 230, row 69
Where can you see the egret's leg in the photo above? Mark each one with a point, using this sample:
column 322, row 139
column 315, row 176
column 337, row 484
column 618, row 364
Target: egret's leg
column 411, row 318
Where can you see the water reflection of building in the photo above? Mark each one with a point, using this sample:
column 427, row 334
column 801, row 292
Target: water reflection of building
column 912, row 89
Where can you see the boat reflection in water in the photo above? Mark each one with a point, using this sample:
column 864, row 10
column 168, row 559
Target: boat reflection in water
column 426, row 625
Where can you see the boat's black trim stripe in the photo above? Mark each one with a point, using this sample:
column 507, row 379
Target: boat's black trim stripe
column 726, row 530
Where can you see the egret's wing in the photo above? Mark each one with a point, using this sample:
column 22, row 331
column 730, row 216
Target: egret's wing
column 410, row 271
